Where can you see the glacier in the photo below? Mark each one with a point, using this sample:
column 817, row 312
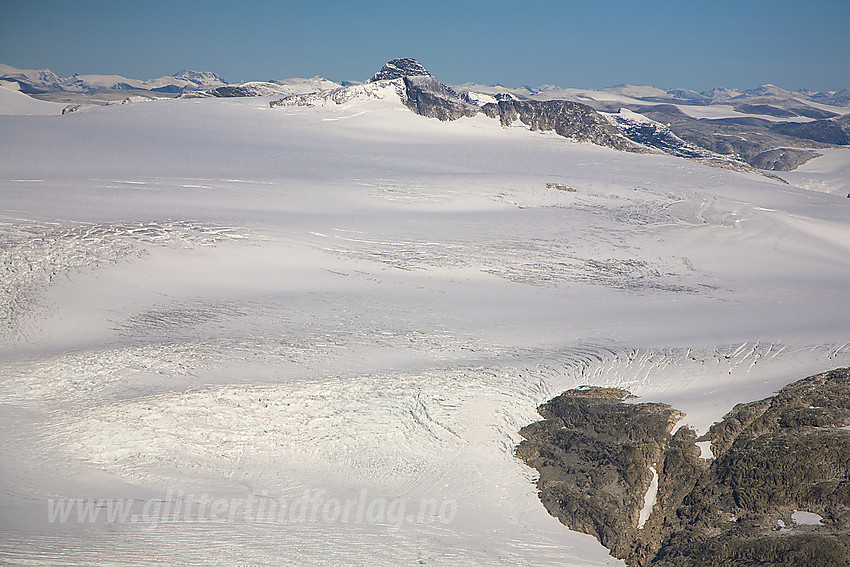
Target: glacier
column 212, row 298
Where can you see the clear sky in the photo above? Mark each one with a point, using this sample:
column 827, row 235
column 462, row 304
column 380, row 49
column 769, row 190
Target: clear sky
column 590, row 44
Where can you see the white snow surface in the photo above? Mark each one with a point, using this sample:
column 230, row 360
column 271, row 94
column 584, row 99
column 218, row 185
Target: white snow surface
column 806, row 518
column 14, row 102
column 829, row 173
column 705, row 450
column 649, row 499
column 212, row 296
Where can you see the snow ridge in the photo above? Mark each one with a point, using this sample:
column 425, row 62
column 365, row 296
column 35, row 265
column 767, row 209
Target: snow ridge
column 377, row 90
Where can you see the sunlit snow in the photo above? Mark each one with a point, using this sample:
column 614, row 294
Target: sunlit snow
column 351, row 303
column 649, row 499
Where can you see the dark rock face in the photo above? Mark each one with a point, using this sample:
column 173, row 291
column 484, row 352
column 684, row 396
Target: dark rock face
column 594, row 453
column 773, row 456
column 422, row 93
column 783, row 159
column 566, row 118
column 427, row 96
column 228, row 91
column 398, row 68
column 659, row 136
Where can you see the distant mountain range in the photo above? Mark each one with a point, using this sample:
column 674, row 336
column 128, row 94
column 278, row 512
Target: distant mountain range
column 767, row 128
column 623, row 117
column 44, row 81
column 765, row 93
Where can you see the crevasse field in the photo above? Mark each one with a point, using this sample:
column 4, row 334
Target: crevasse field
column 352, row 305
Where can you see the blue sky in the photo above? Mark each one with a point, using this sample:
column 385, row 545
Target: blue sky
column 698, row 45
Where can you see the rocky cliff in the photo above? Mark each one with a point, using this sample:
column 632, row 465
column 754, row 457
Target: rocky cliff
column 566, row 118
column 427, row 96
column 777, row 491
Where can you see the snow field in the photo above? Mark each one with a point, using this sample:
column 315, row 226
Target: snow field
column 234, row 300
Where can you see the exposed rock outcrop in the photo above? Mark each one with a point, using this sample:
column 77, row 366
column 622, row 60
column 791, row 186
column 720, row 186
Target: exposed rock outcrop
column 779, row 462
column 566, row 118
column 594, row 455
column 426, row 96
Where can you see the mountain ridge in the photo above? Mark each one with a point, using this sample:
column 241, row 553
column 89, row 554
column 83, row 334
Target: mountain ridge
column 762, row 129
column 44, row 81
column 423, row 94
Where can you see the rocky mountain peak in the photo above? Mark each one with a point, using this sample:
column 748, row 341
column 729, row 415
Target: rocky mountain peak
column 398, row 68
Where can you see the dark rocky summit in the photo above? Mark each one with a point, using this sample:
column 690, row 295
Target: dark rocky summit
column 773, row 457
column 398, row 68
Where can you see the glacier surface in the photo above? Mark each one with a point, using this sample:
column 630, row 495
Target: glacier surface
column 210, row 298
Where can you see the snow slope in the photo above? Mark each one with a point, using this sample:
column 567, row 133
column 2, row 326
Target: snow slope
column 15, row 102
column 350, row 302
column 828, row 174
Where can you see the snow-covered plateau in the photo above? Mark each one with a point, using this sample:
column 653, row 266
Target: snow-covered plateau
column 310, row 335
